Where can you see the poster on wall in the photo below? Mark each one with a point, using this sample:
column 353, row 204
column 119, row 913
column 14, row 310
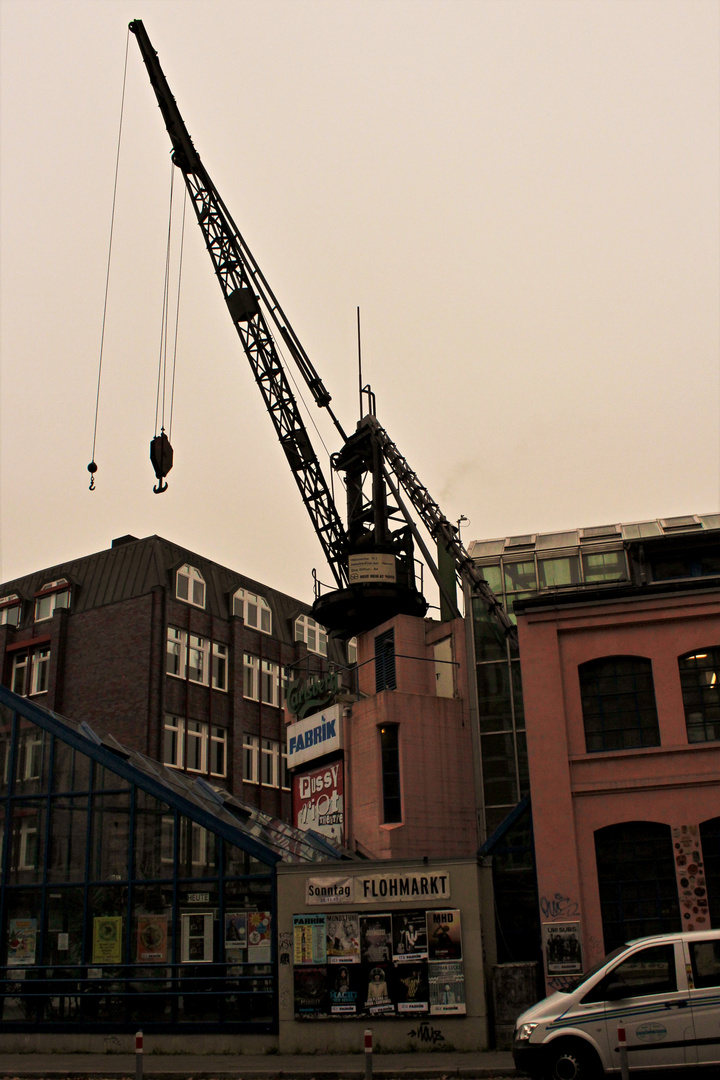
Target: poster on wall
column 444, row 935
column 235, row 930
column 344, row 985
column 562, row 948
column 311, row 997
column 197, row 937
column 343, row 939
column 375, row 938
column 409, row 936
column 318, row 801
column 447, row 987
column 259, row 931
column 309, row 939
column 412, row 992
column 107, row 939
column 377, row 982
column 152, row 937
column 22, row 942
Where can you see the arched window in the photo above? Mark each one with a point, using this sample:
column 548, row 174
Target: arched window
column 618, row 703
column 55, row 594
column 710, row 840
column 254, row 609
column 637, row 881
column 700, row 681
column 190, row 586
column 312, row 633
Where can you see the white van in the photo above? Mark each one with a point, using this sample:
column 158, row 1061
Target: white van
column 664, row 991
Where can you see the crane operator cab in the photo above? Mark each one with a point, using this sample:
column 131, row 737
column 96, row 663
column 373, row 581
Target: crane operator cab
column 380, row 557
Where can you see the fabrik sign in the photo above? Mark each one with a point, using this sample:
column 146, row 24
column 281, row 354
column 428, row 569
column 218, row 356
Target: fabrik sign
column 318, row 801
column 314, row 737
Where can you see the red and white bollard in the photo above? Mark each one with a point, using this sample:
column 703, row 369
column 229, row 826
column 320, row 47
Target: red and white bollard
column 368, row 1054
column 138, row 1055
column 622, row 1047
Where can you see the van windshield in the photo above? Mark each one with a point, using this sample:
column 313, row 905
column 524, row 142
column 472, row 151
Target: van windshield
column 574, row 983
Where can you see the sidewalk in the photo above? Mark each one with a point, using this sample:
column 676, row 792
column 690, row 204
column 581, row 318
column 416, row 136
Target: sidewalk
column 424, row 1065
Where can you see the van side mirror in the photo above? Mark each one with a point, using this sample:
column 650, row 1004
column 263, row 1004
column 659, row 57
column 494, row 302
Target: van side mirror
column 615, row 991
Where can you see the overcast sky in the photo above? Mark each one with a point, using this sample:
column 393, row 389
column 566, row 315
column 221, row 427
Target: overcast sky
column 521, row 196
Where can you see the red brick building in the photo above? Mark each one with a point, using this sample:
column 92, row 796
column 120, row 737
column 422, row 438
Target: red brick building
column 172, row 654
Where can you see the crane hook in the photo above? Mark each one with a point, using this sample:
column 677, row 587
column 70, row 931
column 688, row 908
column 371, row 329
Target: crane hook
column 161, row 456
column 92, row 469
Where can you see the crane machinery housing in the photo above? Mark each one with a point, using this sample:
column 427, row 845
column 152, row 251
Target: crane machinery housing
column 372, row 559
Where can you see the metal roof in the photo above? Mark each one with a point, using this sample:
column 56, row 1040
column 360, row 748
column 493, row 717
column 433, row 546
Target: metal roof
column 264, row 838
column 133, row 568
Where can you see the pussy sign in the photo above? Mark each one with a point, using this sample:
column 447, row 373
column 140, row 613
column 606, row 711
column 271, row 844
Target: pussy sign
column 318, row 801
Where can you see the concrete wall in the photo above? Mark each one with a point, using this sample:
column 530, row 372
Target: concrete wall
column 398, row 1032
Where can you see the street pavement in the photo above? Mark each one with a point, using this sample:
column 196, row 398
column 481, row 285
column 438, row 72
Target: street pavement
column 426, row 1065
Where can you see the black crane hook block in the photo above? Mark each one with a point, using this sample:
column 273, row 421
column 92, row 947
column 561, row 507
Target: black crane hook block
column 161, row 456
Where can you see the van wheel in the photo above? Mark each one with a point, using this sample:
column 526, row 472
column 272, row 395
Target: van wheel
column 573, row 1061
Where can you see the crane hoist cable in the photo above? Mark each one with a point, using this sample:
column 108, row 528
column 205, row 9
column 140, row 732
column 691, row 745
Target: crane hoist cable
column 92, row 467
column 161, row 453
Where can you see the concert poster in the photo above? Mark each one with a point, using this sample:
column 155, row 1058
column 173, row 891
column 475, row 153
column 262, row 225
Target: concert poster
column 410, row 940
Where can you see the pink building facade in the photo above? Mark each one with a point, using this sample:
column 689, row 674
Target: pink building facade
column 621, row 709
column 400, row 772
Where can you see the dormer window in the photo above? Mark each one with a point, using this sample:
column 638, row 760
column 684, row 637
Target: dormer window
column 56, row 594
column 10, row 609
column 312, row 633
column 254, row 609
column 190, row 586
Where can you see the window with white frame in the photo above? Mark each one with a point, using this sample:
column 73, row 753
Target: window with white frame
column 251, row 759
column 352, row 650
column 10, row 610
column 167, row 839
column 176, row 650
column 198, row 841
column 174, row 751
column 30, row 755
column 284, row 772
column 195, row 746
column 198, row 659
column 269, row 682
column 56, row 594
column 219, row 666
column 218, row 751
column 254, row 610
column 190, row 586
column 285, row 677
column 30, row 671
column 312, row 633
column 251, row 677
column 189, row 656
column 270, row 763
column 28, row 855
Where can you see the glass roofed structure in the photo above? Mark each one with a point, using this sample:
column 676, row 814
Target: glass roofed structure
column 130, row 892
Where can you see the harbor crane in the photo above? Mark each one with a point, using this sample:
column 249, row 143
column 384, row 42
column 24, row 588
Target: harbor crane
column 372, row 558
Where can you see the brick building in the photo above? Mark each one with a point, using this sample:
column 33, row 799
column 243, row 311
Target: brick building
column 174, row 655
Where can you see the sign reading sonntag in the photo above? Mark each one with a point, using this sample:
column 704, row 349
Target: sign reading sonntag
column 315, row 736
